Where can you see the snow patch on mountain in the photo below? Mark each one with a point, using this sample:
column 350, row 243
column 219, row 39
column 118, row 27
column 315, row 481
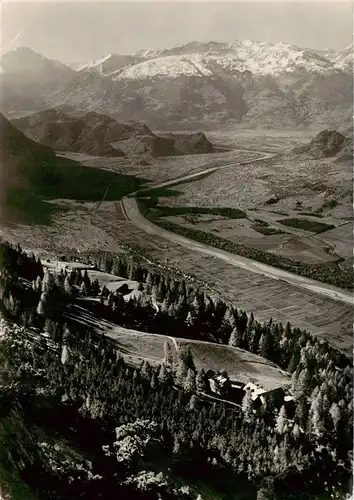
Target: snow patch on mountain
column 94, row 64
column 169, row 66
column 344, row 58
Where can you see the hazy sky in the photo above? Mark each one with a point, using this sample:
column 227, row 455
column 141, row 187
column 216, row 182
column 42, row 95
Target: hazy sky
column 80, row 31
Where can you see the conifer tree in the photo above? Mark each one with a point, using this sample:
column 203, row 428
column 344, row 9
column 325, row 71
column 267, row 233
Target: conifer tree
column 64, row 354
column 181, row 373
column 265, row 345
column 146, row 370
column 47, row 282
column 247, row 402
column 148, row 283
column 235, row 338
column 296, row 432
column 95, row 287
column 294, row 360
column 301, row 383
column 301, row 412
column 336, row 415
column 161, row 291
column 190, row 319
column 189, row 382
column 316, row 422
column 182, row 291
column 163, row 375
column 78, row 278
column 281, row 421
column 201, row 384
column 193, row 403
column 42, row 308
column 87, row 282
column 83, row 289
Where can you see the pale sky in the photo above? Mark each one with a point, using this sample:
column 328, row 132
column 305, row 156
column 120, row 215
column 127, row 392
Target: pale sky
column 82, row 31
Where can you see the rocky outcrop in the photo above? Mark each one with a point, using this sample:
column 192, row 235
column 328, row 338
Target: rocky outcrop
column 328, row 143
column 191, row 143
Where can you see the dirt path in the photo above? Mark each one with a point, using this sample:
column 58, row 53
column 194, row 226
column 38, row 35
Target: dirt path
column 174, row 343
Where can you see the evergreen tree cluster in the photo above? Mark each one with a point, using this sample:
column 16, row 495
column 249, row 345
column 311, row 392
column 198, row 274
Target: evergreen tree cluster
column 254, row 444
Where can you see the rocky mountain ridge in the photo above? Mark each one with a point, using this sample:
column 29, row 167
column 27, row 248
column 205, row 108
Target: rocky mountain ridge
column 197, row 59
column 198, row 84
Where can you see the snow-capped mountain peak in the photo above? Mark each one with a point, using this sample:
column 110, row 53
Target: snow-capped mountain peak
column 200, row 59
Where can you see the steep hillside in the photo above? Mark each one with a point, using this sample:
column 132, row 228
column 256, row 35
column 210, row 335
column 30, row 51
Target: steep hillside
column 92, row 133
column 18, row 157
column 31, row 175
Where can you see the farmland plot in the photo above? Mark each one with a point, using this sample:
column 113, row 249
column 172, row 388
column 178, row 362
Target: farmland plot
column 244, row 231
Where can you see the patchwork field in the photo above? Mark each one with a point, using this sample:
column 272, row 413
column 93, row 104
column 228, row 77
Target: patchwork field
column 303, row 200
column 250, row 234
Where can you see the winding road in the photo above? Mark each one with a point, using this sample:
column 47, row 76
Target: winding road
column 131, row 212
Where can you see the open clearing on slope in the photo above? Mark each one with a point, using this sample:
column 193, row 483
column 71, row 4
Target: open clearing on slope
column 239, row 364
column 110, row 281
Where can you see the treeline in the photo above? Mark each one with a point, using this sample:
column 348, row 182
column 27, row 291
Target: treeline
column 330, row 272
column 151, row 207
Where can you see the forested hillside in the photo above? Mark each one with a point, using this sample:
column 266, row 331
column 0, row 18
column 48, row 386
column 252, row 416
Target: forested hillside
column 91, row 424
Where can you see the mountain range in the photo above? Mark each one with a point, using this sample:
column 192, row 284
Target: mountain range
column 255, row 84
